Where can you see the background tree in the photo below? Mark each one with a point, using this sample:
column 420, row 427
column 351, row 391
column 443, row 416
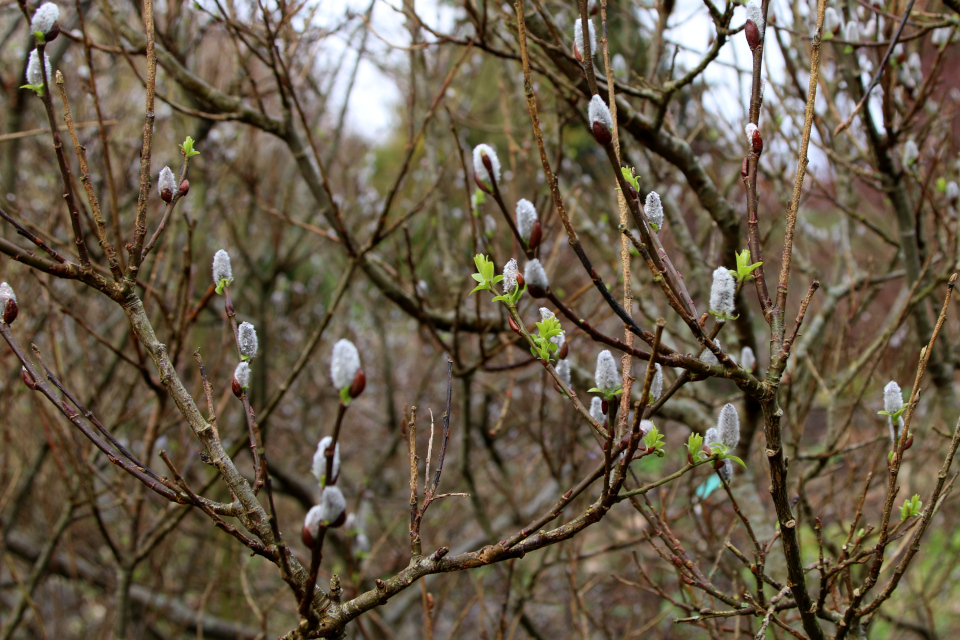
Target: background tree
column 137, row 409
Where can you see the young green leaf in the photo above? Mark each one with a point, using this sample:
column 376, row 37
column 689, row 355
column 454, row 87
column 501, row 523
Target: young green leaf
column 187, row 148
column 744, row 268
column 694, row 444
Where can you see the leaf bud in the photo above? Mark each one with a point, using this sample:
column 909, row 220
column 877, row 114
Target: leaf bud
column 359, row 384
column 28, row 379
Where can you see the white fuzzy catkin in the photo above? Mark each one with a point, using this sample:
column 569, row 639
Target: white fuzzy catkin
column 247, row 340
column 914, row 64
column 311, row 522
column 726, row 471
column 526, row 216
column 45, row 17
column 34, row 74
column 831, row 20
column 221, row 268
column 606, row 377
column 578, row 36
column 750, row 130
column 747, row 360
column 722, row 292
column 755, row 15
column 510, row 276
column 910, row 153
column 242, row 375
column 941, row 36
column 534, row 275
column 851, row 32
column 596, row 409
column 893, row 402
column 728, row 426
column 654, row 209
column 166, row 181
column 480, row 169
column 319, row 468
column 711, row 436
column 656, row 385
column 546, row 313
column 6, row 294
column 332, row 505
column 344, row 364
column 598, row 111
column 646, row 426
column 563, row 371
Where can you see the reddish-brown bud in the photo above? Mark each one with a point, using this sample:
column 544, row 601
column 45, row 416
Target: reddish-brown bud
column 563, row 351
column 339, row 521
column 718, row 464
column 237, row 389
column 745, row 169
column 184, row 188
column 909, row 442
column 166, row 195
column 10, row 311
column 520, row 280
column 754, row 139
column 307, row 537
column 488, row 163
column 51, row 35
column 513, row 324
column 536, row 292
column 753, row 34
column 359, row 384
column 480, row 183
column 576, row 53
column 602, row 133
column 28, row 379
column 536, row 234
column 604, row 407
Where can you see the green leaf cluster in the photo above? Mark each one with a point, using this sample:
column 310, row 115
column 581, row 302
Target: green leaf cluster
column 744, row 268
column 694, row 445
column 607, row 395
column 485, row 274
column 717, row 449
column 546, row 329
column 911, row 507
column 628, row 175
column 654, row 440
column 187, row 148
